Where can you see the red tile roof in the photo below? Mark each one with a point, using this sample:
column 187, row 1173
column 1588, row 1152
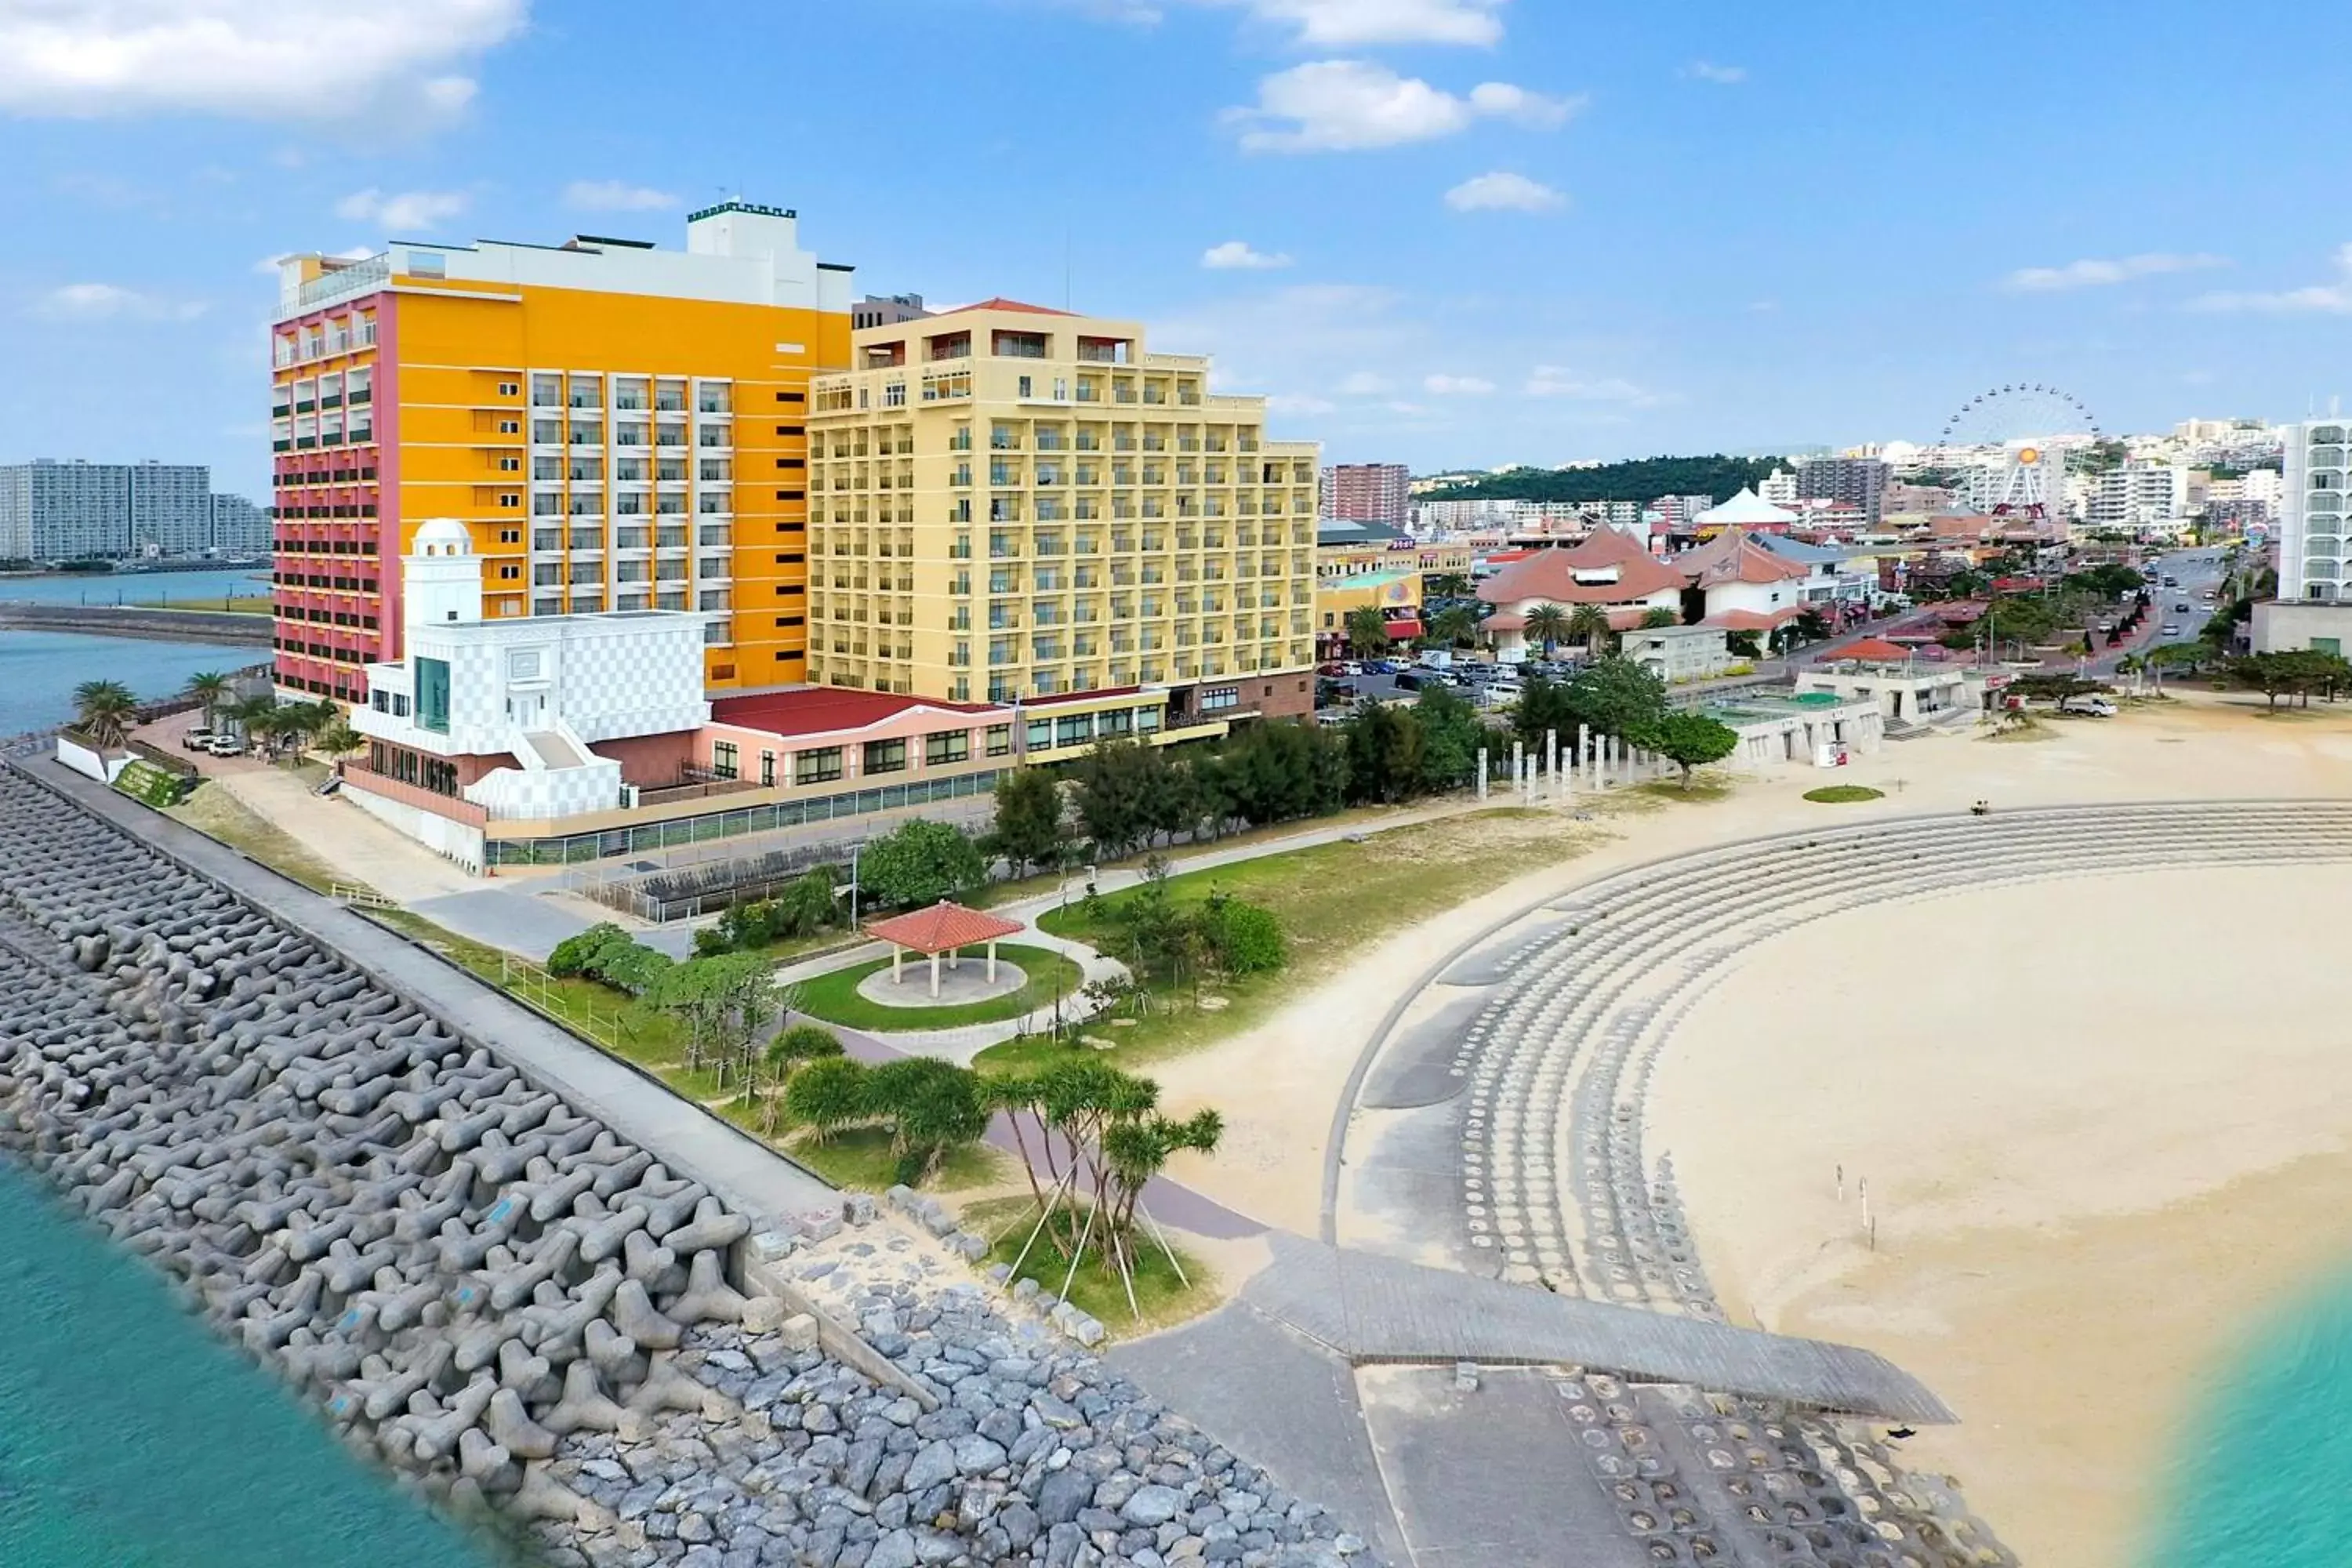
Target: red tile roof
column 1732, row 556
column 941, row 928
column 1874, row 650
column 1752, row 620
column 821, row 710
column 1001, row 303
column 1549, row 576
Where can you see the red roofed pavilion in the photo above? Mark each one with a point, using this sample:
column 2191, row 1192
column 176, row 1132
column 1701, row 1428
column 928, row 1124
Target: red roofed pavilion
column 944, row 927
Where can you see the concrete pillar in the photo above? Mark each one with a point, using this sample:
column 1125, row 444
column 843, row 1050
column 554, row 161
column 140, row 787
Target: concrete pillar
column 898, row 957
column 1482, row 772
column 992, row 962
column 955, row 958
column 1551, row 761
column 1519, row 766
column 1584, row 752
column 935, row 974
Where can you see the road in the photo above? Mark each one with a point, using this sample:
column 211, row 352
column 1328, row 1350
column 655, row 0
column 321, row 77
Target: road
column 2197, row 570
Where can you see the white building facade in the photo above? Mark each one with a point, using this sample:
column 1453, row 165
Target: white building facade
column 2312, row 494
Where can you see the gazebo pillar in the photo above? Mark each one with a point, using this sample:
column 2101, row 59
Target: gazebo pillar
column 955, row 957
column 897, row 959
column 991, row 962
column 935, row 974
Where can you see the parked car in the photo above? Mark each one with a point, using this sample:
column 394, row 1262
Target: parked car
column 225, row 745
column 198, row 739
column 2170, row 629
column 2088, row 707
column 1413, row 679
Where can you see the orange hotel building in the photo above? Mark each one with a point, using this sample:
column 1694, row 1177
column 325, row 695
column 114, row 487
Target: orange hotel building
column 619, row 426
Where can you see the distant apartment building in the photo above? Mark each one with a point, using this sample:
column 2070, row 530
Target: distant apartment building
column 239, row 527
column 1368, row 492
column 886, row 311
column 1016, row 504
column 2137, row 496
column 1679, row 514
column 618, row 427
column 87, row 511
column 1779, row 486
column 2312, row 528
column 1859, row 481
column 1439, row 517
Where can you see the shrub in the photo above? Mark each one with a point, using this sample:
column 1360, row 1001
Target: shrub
column 709, row 942
column 1245, row 938
column 1843, row 795
column 829, row 1095
column 633, row 968
column 576, row 954
column 932, row 1107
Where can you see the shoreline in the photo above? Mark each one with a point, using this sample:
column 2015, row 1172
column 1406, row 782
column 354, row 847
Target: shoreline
column 2077, row 1147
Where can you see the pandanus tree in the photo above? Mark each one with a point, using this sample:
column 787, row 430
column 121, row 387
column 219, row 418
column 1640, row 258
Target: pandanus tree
column 212, row 689
column 104, row 710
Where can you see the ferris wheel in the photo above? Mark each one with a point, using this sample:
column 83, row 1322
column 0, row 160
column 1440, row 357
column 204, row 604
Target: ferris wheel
column 2019, row 412
column 2025, row 421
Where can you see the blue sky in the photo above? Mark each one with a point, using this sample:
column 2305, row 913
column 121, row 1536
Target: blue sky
column 1443, row 232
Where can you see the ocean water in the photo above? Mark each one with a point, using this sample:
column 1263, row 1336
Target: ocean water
column 131, row 1437
column 2264, row 1479
column 38, row 671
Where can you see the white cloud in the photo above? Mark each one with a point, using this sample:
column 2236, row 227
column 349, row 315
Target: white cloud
column 616, row 196
column 1457, row 385
column 2095, row 272
column 255, row 59
column 1366, row 383
column 1502, row 192
column 1235, row 255
column 1300, row 403
column 2319, row 298
column 1722, row 76
column 1351, row 24
column 403, row 213
column 1336, row 106
column 110, row 302
column 1559, row 380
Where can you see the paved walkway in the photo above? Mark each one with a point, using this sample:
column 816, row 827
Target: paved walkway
column 691, row 1141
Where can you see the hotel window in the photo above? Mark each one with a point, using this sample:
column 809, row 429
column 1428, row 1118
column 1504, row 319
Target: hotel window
column 723, row 759
column 947, row 746
column 822, row 765
column 1041, row 735
column 508, row 389
column 886, row 756
column 768, row 770
column 1075, row 731
column 1000, row 739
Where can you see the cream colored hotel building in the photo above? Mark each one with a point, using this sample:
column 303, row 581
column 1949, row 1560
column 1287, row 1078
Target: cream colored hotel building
column 1014, row 504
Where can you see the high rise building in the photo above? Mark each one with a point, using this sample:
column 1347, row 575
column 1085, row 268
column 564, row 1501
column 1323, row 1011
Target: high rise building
column 886, row 311
column 239, row 527
column 90, row 511
column 617, row 425
column 1369, row 492
column 2138, row 495
column 1857, row 481
column 1018, row 504
column 2311, row 511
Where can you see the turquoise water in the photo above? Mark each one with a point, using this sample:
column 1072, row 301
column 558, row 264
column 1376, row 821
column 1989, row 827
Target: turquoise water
column 130, row 1437
column 2265, row 1481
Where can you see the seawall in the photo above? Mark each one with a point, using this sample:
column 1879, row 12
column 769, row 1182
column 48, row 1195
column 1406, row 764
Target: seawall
column 231, row 629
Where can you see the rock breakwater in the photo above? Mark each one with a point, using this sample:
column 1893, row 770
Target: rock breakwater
column 502, row 1300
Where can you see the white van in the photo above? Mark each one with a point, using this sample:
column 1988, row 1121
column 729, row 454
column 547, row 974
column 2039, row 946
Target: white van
column 2088, row 707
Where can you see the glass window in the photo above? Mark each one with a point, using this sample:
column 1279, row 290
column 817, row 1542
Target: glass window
column 433, row 695
column 724, row 759
column 1041, row 735
column 1075, row 731
column 1000, row 739
column 947, row 746
column 821, row 765
column 886, row 756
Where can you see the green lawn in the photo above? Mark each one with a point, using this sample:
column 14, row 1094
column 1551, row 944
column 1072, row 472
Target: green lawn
column 833, row 997
column 1844, row 794
column 1162, row 1295
column 859, row 1158
column 243, row 605
column 1333, row 901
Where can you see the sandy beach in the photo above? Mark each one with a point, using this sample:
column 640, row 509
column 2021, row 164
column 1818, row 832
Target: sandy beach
column 2099, row 1132
column 2104, row 1146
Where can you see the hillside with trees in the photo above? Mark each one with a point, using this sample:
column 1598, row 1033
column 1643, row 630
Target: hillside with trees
column 1636, row 479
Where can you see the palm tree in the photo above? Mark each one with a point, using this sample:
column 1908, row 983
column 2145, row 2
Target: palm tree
column 254, row 717
column 1446, row 586
column 794, row 1049
column 1453, row 627
column 103, row 710
column 1591, row 622
column 1368, row 631
column 1658, row 617
column 1549, row 625
column 212, row 689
